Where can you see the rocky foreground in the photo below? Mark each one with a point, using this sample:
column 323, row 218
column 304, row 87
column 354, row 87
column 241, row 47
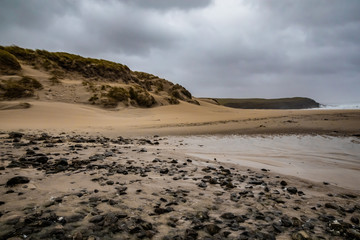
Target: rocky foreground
column 82, row 187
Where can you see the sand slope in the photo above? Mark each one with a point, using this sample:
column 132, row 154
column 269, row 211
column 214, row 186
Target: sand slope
column 174, row 119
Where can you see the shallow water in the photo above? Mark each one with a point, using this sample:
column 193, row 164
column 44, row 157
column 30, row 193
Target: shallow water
column 317, row 158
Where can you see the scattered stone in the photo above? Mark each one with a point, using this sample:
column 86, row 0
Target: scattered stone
column 301, row 235
column 96, row 219
column 17, row 180
column 202, row 185
column 228, row 215
column 354, row 220
column 212, row 229
column 16, row 135
column 109, row 182
column 283, row 183
column 286, row 222
column 292, row 190
column 331, row 205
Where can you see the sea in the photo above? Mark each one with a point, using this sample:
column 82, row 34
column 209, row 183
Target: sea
column 340, row 106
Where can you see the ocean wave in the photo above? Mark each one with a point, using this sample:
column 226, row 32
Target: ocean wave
column 340, row 106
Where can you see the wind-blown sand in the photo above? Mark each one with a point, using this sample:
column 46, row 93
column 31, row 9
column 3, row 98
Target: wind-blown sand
column 80, row 180
column 183, row 119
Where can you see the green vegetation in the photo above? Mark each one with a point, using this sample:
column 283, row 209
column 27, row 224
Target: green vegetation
column 159, row 86
column 24, row 87
column 141, row 97
column 30, row 82
column 145, row 76
column 96, row 75
column 21, row 53
column 260, row 103
column 54, row 80
column 180, row 92
column 87, row 67
column 119, row 94
column 172, row 100
column 8, row 63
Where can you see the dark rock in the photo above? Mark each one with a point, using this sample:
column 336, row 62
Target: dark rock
column 336, row 226
column 96, row 157
column 143, row 150
column 96, row 219
column 202, row 185
column 353, row 234
column 164, row 171
column 212, row 229
column 228, row 215
column 259, row 216
column 286, row 222
column 202, row 216
column 264, row 236
column 292, row 190
column 301, row 235
column 62, row 162
column 163, row 210
column 2, row 203
column 109, row 182
column 283, row 183
column 234, row 197
column 190, row 234
column 121, row 190
column 12, row 221
column 121, row 215
column 58, row 199
column 17, row 180
column 213, row 180
column 354, row 220
column 41, row 158
column 74, row 218
column 326, row 218
column 110, row 218
column 16, row 135
column 331, row 205
column 256, row 182
column 277, row 227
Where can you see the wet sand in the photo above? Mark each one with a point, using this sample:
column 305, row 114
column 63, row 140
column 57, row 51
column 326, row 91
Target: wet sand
column 69, row 186
column 318, row 158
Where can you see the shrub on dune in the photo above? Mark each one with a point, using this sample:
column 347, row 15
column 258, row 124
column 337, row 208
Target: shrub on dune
column 8, row 63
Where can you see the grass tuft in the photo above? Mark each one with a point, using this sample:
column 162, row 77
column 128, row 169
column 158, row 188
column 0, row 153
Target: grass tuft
column 8, row 63
column 25, row 87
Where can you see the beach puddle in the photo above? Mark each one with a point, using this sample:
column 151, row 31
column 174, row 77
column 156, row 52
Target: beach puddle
column 318, row 158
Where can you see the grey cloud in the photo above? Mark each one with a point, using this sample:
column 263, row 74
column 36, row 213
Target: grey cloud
column 166, row 4
column 222, row 48
column 33, row 14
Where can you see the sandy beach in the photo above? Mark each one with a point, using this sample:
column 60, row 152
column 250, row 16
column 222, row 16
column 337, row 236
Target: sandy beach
column 182, row 119
column 72, row 171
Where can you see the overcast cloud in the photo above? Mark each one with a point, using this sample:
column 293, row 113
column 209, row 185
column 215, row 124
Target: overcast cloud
column 215, row 48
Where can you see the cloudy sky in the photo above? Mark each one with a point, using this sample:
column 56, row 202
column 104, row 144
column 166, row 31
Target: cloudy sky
column 215, row 48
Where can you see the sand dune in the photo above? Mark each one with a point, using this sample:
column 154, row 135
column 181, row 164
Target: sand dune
column 180, row 119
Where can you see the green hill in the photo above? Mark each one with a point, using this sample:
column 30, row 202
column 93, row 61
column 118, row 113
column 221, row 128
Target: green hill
column 261, row 103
